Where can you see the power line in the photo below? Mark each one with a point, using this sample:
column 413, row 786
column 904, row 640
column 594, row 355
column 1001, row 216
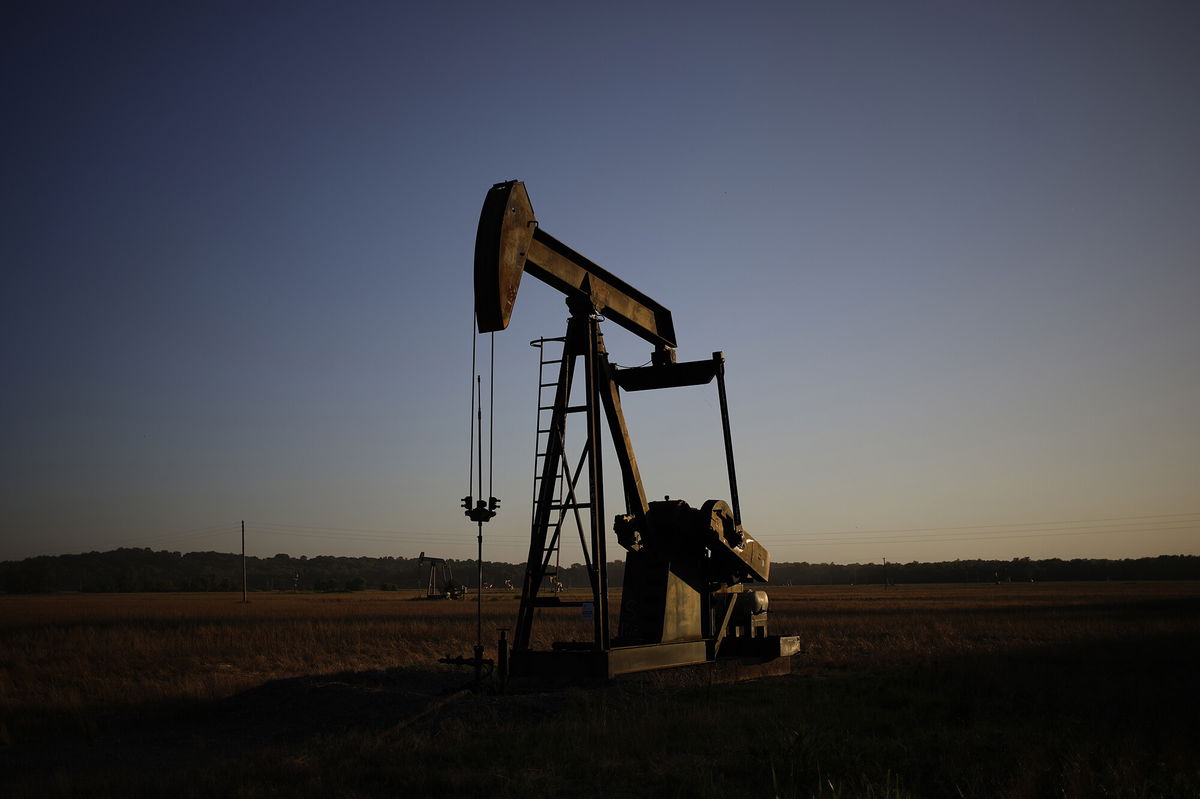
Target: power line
column 227, row 527
column 1001, row 537
column 437, row 539
column 362, row 534
column 1046, row 525
column 378, row 531
column 966, row 535
column 1149, row 523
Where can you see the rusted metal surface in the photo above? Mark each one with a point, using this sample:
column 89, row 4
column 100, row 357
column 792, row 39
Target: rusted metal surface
column 599, row 579
column 628, row 659
column 676, row 527
column 631, row 475
column 737, row 551
column 506, row 226
column 572, row 274
column 673, row 375
column 724, row 670
column 765, row 647
column 508, row 242
column 543, row 669
column 675, row 665
column 719, row 361
column 674, row 557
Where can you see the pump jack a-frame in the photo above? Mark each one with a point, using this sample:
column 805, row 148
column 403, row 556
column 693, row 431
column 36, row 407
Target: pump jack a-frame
column 683, row 599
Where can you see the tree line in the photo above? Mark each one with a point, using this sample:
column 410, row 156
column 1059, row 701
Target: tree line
column 136, row 569
column 148, row 570
column 1163, row 567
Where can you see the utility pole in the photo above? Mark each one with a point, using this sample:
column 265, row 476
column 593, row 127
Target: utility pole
column 244, row 600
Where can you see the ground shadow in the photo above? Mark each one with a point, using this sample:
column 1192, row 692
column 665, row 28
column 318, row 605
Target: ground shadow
column 279, row 713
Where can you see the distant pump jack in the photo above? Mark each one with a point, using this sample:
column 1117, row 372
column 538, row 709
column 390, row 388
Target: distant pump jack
column 440, row 582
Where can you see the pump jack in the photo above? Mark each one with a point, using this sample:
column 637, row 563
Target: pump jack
column 440, row 584
column 684, row 600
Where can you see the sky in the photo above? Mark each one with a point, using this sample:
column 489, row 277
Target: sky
column 950, row 250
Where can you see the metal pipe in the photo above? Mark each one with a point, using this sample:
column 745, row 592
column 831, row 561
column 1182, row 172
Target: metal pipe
column 244, row 599
column 719, row 359
column 479, row 592
column 595, row 487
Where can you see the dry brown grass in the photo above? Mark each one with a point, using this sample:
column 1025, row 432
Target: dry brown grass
column 882, row 658
column 860, row 626
column 76, row 656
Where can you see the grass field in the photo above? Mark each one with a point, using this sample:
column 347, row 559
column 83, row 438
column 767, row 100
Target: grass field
column 1015, row 690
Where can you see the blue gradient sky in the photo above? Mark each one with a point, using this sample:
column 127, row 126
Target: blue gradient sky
column 951, row 251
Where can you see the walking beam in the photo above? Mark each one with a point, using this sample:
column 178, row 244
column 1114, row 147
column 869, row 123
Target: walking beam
column 509, row 243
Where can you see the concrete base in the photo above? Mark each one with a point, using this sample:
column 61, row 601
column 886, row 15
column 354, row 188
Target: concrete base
column 772, row 646
column 722, row 670
column 683, row 662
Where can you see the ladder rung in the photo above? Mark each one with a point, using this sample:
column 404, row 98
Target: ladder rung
column 569, row 506
column 540, row 457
